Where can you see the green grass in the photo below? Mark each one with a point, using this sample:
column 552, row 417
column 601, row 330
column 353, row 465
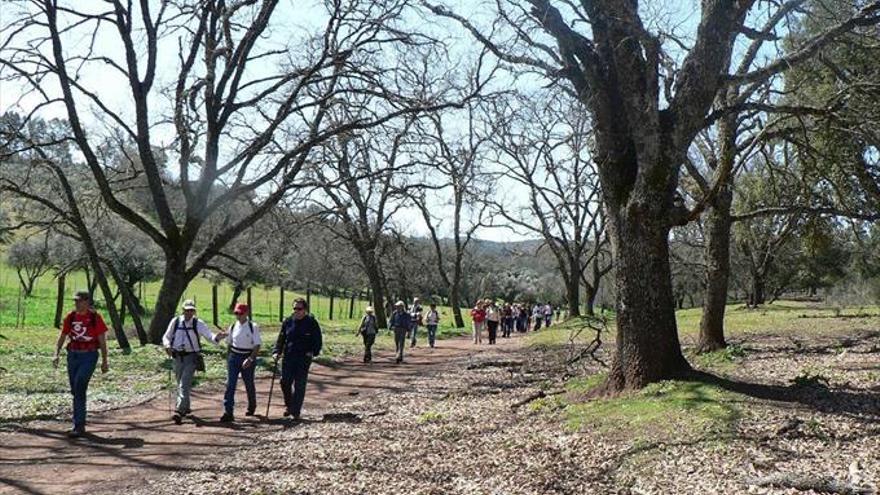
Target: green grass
column 661, row 411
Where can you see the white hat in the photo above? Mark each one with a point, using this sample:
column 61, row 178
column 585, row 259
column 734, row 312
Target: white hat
column 399, row 303
column 189, row 304
column 369, row 309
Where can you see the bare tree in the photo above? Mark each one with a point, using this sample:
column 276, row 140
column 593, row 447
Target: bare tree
column 542, row 148
column 245, row 108
column 646, row 111
column 454, row 157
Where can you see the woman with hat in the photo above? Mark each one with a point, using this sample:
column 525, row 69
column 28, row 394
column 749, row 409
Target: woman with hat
column 368, row 329
column 400, row 323
column 181, row 342
column 86, row 332
column 244, row 343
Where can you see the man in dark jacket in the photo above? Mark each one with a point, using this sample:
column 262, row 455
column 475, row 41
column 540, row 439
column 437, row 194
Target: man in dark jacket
column 401, row 322
column 298, row 341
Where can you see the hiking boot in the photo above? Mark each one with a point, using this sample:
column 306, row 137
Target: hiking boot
column 76, row 432
column 227, row 418
column 286, row 413
column 250, row 412
column 177, row 418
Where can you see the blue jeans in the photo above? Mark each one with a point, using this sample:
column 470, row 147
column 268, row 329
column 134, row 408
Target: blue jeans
column 414, row 330
column 432, row 334
column 80, row 367
column 233, row 368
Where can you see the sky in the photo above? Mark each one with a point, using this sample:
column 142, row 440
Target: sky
column 293, row 20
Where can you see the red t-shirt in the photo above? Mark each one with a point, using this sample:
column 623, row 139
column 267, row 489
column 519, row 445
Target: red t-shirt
column 83, row 330
column 478, row 315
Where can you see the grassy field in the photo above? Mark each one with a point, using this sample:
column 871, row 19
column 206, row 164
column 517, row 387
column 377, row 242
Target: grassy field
column 662, row 411
column 30, row 387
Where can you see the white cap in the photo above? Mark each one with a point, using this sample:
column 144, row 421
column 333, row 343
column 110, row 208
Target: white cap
column 189, row 304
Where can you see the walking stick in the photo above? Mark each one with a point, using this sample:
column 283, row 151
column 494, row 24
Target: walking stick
column 271, row 387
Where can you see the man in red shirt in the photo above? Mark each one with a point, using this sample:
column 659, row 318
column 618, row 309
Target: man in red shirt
column 86, row 332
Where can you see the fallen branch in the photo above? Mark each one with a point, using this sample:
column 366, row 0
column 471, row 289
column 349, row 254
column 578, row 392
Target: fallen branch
column 819, row 484
column 535, row 396
column 495, row 364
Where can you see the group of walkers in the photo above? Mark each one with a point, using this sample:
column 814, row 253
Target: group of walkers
column 520, row 316
column 299, row 341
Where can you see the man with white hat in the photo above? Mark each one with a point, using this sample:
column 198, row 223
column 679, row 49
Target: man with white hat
column 244, row 346
column 400, row 324
column 181, row 341
column 368, row 329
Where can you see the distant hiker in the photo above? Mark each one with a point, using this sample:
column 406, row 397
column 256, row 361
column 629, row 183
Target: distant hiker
column 400, row 323
column 493, row 319
column 538, row 315
column 522, row 318
column 368, row 329
column 86, row 331
column 182, row 343
column 299, row 341
column 548, row 314
column 415, row 313
column 478, row 315
column 506, row 320
column 244, row 342
column 432, row 319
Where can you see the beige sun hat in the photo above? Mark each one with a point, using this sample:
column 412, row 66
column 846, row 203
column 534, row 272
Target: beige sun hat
column 189, row 304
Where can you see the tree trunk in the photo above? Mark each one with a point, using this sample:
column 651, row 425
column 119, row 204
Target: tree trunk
column 590, row 293
column 59, row 301
column 173, row 285
column 758, row 297
column 648, row 349
column 717, row 274
column 573, row 290
column 455, row 302
column 132, row 303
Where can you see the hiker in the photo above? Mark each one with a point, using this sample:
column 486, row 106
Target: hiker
column 493, row 318
column 506, row 320
column 478, row 315
column 299, row 341
column 182, row 343
column 86, row 331
column 432, row 319
column 521, row 318
column 415, row 313
column 548, row 314
column 538, row 314
column 400, row 323
column 244, row 343
column 368, row 329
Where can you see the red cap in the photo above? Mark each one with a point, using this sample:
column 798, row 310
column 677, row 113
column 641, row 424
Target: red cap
column 241, row 309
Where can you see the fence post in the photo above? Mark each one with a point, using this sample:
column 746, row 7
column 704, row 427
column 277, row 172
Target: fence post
column 214, row 303
column 250, row 303
column 59, row 302
column 332, row 293
column 351, row 307
column 281, row 304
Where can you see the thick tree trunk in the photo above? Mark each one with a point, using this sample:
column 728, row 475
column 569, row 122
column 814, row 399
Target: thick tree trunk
column 455, row 302
column 648, row 349
column 718, row 224
column 573, row 290
column 757, row 294
column 377, row 287
column 590, row 303
column 173, row 286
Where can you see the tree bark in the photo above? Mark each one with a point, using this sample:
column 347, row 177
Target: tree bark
column 100, row 280
column 590, row 302
column 173, row 286
column 377, row 287
column 718, row 224
column 236, row 293
column 648, row 349
column 573, row 288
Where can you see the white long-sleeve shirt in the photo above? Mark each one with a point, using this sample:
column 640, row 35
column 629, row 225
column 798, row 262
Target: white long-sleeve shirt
column 243, row 337
column 181, row 334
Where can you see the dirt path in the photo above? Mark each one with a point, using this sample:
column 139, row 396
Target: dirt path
column 126, row 447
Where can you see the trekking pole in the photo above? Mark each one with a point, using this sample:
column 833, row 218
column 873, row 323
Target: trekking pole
column 271, row 387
